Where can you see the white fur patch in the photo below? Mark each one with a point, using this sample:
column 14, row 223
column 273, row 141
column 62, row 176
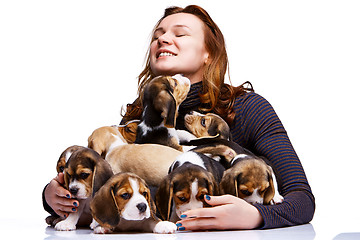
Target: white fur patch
column 255, row 198
column 81, row 194
column 190, row 157
column 238, row 157
column 119, row 141
column 277, row 197
column 193, row 202
column 181, row 79
column 68, row 155
column 131, row 212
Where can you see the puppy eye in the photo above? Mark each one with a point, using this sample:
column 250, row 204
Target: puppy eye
column 245, row 192
column 84, row 175
column 183, row 199
column 144, row 194
column 125, row 196
column 203, row 122
column 201, row 197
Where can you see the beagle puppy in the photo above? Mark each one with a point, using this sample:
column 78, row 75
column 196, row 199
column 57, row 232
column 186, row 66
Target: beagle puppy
column 161, row 99
column 124, row 204
column 252, row 180
column 64, row 157
column 104, row 138
column 248, row 176
column 207, row 125
column 191, row 177
column 149, row 161
column 85, row 172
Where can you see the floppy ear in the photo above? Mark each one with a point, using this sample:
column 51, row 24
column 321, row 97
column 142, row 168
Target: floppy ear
column 151, row 204
column 164, row 197
column 229, row 183
column 102, row 172
column 270, row 191
column 213, row 186
column 166, row 103
column 104, row 208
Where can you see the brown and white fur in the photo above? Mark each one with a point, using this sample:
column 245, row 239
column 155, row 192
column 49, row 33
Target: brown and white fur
column 85, row 172
column 161, row 99
column 207, row 125
column 191, row 177
column 248, row 176
column 252, row 180
column 149, row 161
column 124, row 204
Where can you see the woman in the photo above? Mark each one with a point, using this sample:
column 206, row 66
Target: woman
column 187, row 41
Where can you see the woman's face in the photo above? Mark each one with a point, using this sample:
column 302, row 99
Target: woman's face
column 178, row 47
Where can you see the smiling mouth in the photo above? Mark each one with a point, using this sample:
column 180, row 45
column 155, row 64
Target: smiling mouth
column 166, row 54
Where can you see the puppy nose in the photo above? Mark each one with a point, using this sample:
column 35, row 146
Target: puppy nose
column 141, row 207
column 74, row 191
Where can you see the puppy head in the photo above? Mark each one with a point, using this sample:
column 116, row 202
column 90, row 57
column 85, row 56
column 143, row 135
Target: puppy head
column 85, row 172
column 251, row 180
column 166, row 93
column 207, row 125
column 128, row 131
column 102, row 138
column 185, row 187
column 64, row 157
column 126, row 196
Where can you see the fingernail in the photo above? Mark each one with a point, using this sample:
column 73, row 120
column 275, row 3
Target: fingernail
column 67, row 195
column 207, row 197
column 178, row 224
column 181, row 228
column 64, row 215
column 75, row 204
column 73, row 209
column 183, row 216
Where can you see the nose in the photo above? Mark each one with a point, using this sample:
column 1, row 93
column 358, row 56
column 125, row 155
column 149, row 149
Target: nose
column 142, row 207
column 164, row 39
column 74, row 191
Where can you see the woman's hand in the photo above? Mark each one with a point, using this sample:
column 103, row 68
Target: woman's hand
column 227, row 212
column 58, row 198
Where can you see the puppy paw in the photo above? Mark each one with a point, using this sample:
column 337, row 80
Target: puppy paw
column 165, row 227
column 65, row 226
column 101, row 230
column 94, row 224
column 277, row 199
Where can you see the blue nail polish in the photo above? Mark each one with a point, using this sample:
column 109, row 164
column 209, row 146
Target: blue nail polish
column 67, row 195
column 178, row 224
column 181, row 228
column 73, row 209
column 64, row 215
column 183, row 216
column 75, row 204
column 207, row 197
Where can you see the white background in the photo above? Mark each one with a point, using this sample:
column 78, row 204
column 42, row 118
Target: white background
column 68, row 67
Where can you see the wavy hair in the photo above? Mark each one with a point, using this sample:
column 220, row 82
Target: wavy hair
column 216, row 96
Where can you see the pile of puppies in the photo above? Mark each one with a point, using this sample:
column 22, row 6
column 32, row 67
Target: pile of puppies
column 112, row 177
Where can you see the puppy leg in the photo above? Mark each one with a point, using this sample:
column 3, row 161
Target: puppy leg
column 165, row 227
column 69, row 223
column 101, row 230
column 277, row 197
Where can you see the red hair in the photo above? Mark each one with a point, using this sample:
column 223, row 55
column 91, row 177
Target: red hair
column 216, row 95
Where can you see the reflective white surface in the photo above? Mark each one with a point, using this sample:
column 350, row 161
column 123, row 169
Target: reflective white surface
column 20, row 229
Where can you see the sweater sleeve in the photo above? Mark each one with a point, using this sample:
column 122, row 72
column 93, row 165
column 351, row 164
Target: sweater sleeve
column 258, row 128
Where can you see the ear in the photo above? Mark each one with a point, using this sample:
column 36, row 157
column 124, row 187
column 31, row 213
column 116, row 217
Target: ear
column 270, row 191
column 213, row 186
column 164, row 197
column 170, row 119
column 102, row 173
column 229, row 183
column 104, row 208
column 151, row 204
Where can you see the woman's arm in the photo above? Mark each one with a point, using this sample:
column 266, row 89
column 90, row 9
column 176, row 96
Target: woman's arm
column 259, row 129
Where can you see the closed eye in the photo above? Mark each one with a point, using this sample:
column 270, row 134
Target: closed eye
column 245, row 192
column 84, row 175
